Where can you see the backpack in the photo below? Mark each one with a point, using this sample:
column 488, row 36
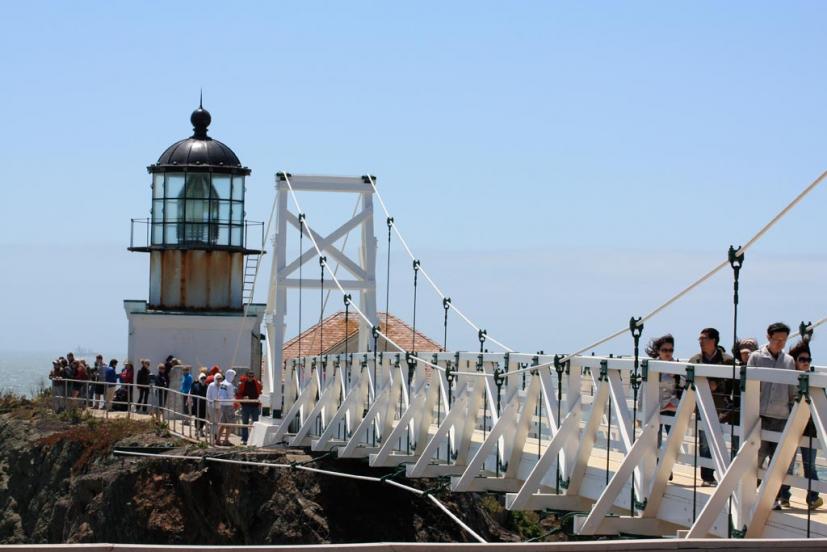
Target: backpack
column 250, row 390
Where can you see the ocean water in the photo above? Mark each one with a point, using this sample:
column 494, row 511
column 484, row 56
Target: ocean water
column 24, row 372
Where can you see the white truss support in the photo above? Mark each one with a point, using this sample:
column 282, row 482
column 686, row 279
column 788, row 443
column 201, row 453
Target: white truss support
column 464, row 407
column 346, row 411
column 649, row 410
column 292, row 385
column 624, row 422
column 390, row 454
column 514, row 449
column 328, row 398
column 384, row 399
column 423, row 416
column 750, row 422
column 726, row 486
column 398, row 396
column 470, row 479
column 574, row 382
column 774, row 476
column 305, row 400
column 469, row 423
column 589, row 435
column 624, row 415
column 522, row 500
column 550, row 402
column 618, row 481
column 714, row 434
column 669, row 453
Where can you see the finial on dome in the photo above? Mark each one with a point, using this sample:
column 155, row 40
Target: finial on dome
column 200, row 119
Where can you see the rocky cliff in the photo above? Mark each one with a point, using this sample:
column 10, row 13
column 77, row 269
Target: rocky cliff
column 59, row 482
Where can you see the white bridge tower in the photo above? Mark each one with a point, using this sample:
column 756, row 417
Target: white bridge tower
column 362, row 270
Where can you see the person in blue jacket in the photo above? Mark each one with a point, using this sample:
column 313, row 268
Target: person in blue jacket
column 110, row 378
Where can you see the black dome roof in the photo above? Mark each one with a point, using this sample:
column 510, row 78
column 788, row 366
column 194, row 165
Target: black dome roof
column 199, row 151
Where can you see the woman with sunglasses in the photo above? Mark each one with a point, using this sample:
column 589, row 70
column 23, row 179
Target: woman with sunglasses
column 663, row 348
column 803, row 363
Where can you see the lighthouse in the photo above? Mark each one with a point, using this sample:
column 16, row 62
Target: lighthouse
column 203, row 256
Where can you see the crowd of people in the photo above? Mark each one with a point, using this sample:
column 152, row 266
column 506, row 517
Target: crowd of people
column 775, row 400
column 212, row 398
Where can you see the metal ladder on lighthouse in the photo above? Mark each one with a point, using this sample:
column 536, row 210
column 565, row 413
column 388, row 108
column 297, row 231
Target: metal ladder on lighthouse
column 251, row 263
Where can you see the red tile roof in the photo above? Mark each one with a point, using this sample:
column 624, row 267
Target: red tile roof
column 333, row 336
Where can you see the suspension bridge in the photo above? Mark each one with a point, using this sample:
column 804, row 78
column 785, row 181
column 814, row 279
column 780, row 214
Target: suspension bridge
column 568, row 432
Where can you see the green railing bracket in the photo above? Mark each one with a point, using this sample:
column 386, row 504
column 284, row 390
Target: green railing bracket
column 803, row 386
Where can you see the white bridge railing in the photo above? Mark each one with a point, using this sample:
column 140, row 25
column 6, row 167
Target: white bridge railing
column 563, row 436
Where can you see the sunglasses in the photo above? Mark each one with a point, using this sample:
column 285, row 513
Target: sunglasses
column 804, row 359
column 666, row 350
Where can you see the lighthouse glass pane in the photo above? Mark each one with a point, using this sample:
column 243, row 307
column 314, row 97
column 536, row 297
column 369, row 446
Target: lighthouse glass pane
column 223, row 235
column 171, row 231
column 157, row 234
column 238, row 212
column 174, row 210
column 158, row 210
column 194, row 233
column 235, row 235
column 223, row 211
column 238, row 188
column 221, row 186
column 197, row 210
column 198, row 186
column 175, row 185
column 158, row 185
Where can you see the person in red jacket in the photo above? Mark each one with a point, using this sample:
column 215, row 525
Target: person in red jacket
column 249, row 390
column 127, row 376
column 211, row 374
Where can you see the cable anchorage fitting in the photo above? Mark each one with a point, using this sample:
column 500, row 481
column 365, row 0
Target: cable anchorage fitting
column 736, row 261
column 446, row 303
column 449, row 372
column 806, row 330
column 803, row 387
column 348, row 299
column 604, row 371
column 559, row 365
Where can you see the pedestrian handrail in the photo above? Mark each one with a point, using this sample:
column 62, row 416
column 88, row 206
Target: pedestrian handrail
column 71, row 393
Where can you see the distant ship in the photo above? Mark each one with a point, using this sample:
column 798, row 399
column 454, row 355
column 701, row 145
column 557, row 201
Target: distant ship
column 83, row 351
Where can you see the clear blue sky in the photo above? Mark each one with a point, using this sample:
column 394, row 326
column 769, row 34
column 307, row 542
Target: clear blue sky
column 557, row 167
